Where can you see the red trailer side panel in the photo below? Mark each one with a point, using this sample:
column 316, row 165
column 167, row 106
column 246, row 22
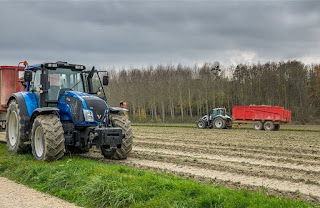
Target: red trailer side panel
column 263, row 113
column 9, row 83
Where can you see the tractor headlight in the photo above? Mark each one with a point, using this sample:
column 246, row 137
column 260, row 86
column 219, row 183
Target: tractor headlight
column 78, row 67
column 88, row 115
column 53, row 65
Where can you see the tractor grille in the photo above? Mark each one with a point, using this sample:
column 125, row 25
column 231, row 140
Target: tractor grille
column 76, row 108
column 97, row 105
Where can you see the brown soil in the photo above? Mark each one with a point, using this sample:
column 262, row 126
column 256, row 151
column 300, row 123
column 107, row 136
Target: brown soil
column 285, row 163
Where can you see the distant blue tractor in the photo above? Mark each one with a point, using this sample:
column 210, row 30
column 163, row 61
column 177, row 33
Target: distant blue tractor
column 61, row 111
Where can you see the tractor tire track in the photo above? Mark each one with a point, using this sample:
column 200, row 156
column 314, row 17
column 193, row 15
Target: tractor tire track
column 279, row 187
column 280, row 152
column 226, row 152
column 293, row 172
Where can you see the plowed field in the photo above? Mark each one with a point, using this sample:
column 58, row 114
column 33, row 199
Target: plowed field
column 283, row 163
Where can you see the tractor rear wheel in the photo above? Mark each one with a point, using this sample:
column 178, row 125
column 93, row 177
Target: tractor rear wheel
column 219, row 123
column 201, row 124
column 269, row 126
column 16, row 138
column 47, row 139
column 120, row 120
column 258, row 125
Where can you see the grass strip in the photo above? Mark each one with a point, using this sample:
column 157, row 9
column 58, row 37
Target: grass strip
column 91, row 183
column 194, row 126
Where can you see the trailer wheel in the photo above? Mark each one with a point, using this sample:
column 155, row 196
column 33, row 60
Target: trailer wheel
column 258, row 125
column 16, row 139
column 219, row 123
column 120, row 120
column 201, row 124
column 47, row 140
column 276, row 127
column 269, row 126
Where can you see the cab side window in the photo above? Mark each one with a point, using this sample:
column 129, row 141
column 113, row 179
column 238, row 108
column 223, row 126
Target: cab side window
column 34, row 85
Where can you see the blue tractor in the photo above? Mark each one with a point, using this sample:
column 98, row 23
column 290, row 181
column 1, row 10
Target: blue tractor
column 64, row 109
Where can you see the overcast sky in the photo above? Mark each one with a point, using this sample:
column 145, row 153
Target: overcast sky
column 143, row 32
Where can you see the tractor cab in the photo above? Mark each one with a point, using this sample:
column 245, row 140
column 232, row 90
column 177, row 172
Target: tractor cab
column 48, row 81
column 218, row 111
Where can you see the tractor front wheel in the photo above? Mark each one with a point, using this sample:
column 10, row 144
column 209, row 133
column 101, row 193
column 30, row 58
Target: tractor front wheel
column 47, row 139
column 120, row 120
column 16, row 139
column 201, row 124
column 219, row 123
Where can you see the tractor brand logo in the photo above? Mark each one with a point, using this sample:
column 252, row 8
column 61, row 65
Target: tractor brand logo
column 99, row 116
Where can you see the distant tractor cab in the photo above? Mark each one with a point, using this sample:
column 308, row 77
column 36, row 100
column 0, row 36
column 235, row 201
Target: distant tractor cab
column 64, row 108
column 217, row 118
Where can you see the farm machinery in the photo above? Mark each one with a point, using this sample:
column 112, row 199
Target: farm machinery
column 217, row 118
column 262, row 117
column 64, row 108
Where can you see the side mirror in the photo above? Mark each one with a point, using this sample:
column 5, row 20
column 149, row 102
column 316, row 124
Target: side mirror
column 105, row 80
column 27, row 76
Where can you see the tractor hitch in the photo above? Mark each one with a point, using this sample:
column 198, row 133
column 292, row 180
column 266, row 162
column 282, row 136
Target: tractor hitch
column 109, row 137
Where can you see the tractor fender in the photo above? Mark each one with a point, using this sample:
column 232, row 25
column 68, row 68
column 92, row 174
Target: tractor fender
column 23, row 111
column 43, row 111
column 226, row 118
column 26, row 100
column 117, row 109
column 21, row 102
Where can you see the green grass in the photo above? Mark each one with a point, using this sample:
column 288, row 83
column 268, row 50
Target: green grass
column 91, row 183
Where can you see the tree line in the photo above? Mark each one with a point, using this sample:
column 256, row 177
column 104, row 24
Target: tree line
column 177, row 93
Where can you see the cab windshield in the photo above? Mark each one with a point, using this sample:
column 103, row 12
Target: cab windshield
column 221, row 111
column 64, row 78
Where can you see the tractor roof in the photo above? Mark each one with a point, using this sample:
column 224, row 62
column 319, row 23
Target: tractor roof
column 54, row 65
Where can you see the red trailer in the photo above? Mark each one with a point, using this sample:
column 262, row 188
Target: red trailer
column 262, row 117
column 10, row 77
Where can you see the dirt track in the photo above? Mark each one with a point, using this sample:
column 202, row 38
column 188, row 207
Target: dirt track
column 285, row 163
column 14, row 195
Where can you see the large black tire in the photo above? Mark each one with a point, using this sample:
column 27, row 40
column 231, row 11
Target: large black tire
column 258, row 125
column 269, row 126
column 17, row 140
column 276, row 127
column 120, row 120
column 47, row 139
column 201, row 124
column 219, row 123
column 229, row 124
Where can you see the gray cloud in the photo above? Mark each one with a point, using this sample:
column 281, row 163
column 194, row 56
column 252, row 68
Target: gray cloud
column 134, row 33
